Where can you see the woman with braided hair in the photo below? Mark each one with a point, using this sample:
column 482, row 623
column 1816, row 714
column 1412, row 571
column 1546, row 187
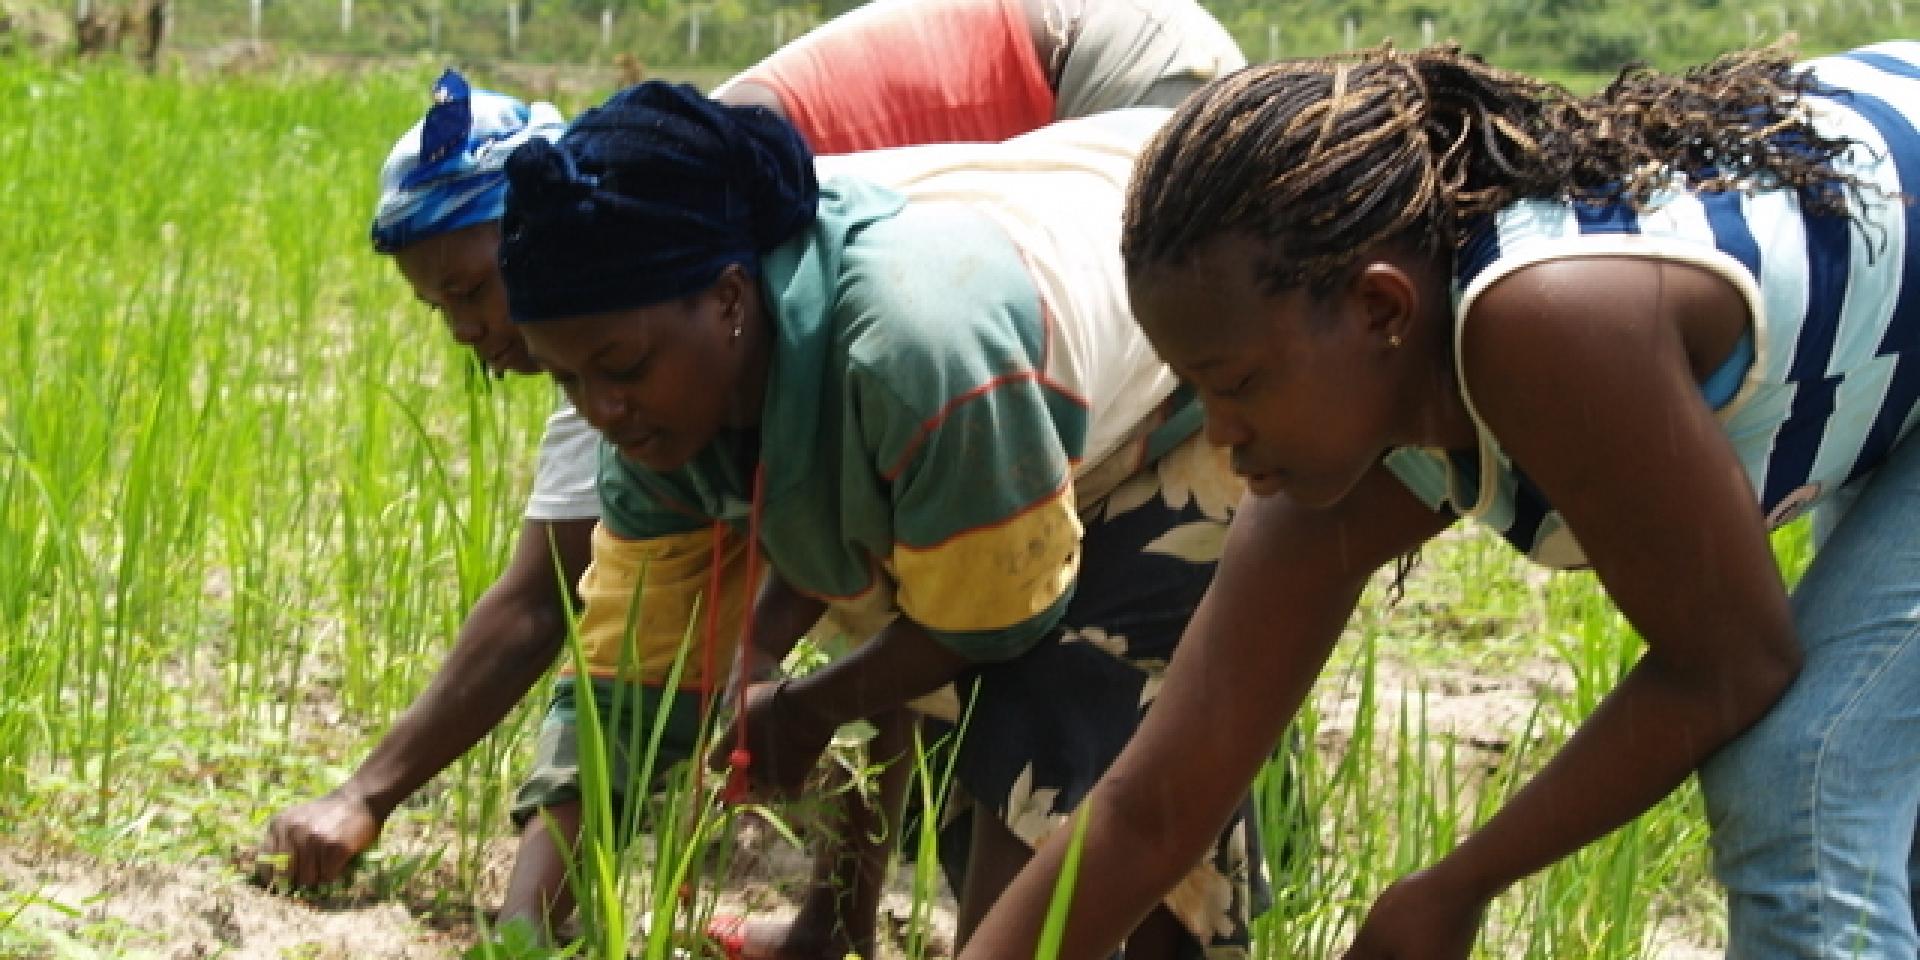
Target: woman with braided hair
column 1631, row 331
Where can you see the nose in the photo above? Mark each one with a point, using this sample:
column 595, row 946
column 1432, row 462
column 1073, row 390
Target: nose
column 466, row 330
column 604, row 408
column 1223, row 429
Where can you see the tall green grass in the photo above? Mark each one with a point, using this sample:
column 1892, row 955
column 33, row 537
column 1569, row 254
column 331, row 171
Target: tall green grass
column 247, row 494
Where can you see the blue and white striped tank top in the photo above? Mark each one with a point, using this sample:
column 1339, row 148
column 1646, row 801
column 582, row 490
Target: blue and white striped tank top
column 1832, row 364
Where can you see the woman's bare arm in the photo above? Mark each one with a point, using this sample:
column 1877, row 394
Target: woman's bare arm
column 1287, row 583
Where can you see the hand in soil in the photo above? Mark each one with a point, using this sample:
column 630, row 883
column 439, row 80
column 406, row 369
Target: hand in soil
column 784, row 740
column 757, row 666
column 1419, row 917
column 315, row 842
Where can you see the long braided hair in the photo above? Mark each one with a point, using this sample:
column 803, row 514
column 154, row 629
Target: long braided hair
column 1321, row 159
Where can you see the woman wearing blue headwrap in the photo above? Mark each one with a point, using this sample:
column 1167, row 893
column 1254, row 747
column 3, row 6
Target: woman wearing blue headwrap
column 442, row 194
column 929, row 399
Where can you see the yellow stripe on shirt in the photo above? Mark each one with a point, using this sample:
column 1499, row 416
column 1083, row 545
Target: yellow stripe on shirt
column 993, row 577
column 642, row 598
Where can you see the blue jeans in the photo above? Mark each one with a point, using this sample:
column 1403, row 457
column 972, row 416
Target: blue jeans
column 1814, row 810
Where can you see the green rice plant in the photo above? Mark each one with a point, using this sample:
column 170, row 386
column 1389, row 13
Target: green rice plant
column 1054, row 928
column 214, row 529
column 595, row 876
column 679, row 807
column 934, row 781
column 1388, row 793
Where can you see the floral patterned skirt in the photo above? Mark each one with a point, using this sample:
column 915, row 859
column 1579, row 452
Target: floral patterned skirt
column 1045, row 725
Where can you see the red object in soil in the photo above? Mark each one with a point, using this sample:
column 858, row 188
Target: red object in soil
column 729, row 933
column 738, row 763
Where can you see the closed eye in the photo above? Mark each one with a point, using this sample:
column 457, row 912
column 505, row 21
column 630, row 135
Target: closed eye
column 632, row 372
column 1238, row 389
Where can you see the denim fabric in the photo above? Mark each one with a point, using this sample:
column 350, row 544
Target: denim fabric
column 1814, row 810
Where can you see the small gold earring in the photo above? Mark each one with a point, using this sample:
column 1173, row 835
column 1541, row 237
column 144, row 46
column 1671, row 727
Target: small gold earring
column 736, row 329
column 1393, row 340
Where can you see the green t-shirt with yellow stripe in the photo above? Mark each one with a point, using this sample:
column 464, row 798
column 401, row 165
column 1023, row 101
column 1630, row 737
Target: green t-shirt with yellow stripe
column 954, row 372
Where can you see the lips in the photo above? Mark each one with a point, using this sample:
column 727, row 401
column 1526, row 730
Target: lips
column 635, row 445
column 1263, row 484
column 510, row 357
column 1243, row 468
column 1260, row 481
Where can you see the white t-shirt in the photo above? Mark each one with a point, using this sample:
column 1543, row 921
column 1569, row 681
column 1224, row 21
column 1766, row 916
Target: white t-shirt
column 565, row 483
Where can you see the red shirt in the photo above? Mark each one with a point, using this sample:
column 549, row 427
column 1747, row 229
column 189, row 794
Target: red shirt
column 900, row 72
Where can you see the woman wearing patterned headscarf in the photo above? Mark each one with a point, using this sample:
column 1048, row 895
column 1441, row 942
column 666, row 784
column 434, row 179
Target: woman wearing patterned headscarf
column 919, row 382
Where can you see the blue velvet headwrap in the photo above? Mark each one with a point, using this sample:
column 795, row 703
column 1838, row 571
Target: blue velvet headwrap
column 647, row 198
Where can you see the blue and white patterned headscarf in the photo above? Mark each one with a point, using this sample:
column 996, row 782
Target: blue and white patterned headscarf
column 446, row 172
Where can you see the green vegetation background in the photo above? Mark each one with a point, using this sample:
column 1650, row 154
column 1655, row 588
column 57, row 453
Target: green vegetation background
column 1564, row 38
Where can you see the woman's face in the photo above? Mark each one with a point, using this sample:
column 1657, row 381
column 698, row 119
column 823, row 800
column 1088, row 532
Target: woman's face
column 1301, row 390
column 458, row 274
column 660, row 381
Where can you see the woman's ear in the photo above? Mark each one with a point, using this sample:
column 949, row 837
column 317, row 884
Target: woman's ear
column 1388, row 299
column 728, row 294
column 733, row 292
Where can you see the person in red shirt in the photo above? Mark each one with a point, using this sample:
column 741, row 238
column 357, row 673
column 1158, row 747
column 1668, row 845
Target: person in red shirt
column 979, row 71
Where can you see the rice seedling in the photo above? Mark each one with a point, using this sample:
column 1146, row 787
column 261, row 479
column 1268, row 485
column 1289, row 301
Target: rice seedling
column 1055, row 928
column 239, row 466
